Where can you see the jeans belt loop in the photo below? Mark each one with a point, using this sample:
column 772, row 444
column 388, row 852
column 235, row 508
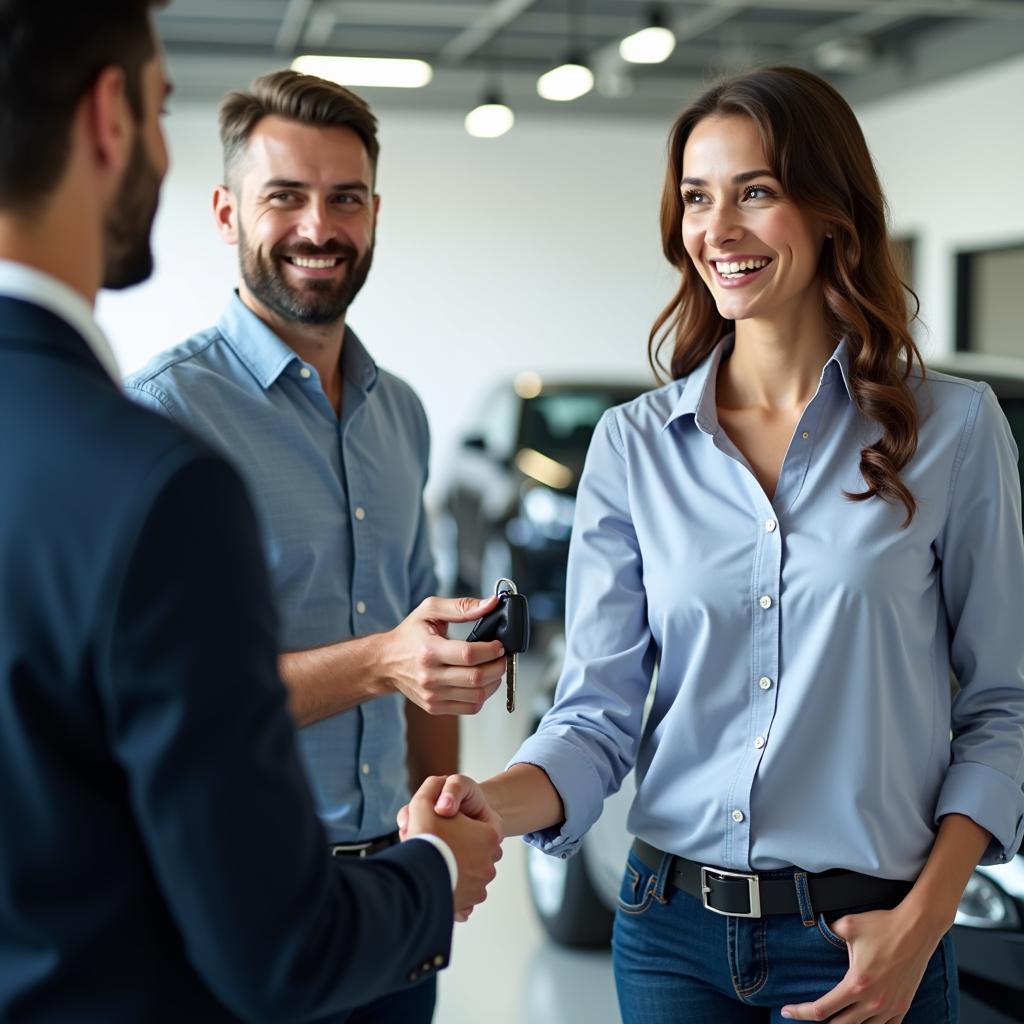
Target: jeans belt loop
column 661, row 880
column 753, row 891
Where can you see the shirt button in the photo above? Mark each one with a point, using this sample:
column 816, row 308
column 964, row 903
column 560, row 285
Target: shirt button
column 770, row 524
column 765, row 683
column 366, row 768
column 759, row 742
column 806, row 434
column 765, row 602
column 305, row 373
column 737, row 815
column 360, row 513
column 361, row 607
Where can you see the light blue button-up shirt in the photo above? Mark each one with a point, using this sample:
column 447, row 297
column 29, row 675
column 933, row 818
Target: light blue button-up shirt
column 802, row 711
column 340, row 502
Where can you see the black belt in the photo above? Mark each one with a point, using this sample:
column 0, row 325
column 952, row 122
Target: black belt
column 748, row 895
column 365, row 849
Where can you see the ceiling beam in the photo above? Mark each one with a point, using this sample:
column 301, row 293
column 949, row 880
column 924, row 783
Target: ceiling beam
column 292, row 25
column 1008, row 9
column 425, row 13
column 482, row 30
column 858, row 25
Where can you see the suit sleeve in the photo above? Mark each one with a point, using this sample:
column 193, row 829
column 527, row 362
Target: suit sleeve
column 197, row 719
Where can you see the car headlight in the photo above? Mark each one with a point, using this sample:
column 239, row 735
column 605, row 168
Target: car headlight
column 985, row 905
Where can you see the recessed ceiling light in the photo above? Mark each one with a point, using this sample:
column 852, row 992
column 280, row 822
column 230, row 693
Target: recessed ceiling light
column 490, row 120
column 376, row 72
column 568, row 81
column 651, row 45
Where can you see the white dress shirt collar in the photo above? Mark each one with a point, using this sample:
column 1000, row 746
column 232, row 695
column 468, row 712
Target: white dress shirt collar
column 19, row 281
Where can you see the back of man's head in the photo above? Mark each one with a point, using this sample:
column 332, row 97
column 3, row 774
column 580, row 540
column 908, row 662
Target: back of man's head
column 50, row 56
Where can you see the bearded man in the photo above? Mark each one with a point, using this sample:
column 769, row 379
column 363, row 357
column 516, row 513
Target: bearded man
column 335, row 453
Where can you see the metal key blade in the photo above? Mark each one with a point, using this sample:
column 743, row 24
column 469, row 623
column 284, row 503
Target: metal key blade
column 510, row 682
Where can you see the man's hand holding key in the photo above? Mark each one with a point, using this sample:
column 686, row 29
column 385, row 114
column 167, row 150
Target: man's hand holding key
column 442, row 676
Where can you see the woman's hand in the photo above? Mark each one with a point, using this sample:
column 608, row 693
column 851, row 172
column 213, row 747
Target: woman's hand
column 889, row 951
column 460, row 794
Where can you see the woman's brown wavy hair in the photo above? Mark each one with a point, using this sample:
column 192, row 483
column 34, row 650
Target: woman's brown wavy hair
column 816, row 149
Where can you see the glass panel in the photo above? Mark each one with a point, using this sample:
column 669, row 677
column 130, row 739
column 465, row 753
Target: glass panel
column 997, row 302
column 564, row 422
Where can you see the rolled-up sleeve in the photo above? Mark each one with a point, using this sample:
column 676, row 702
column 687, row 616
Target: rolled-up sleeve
column 982, row 555
column 588, row 741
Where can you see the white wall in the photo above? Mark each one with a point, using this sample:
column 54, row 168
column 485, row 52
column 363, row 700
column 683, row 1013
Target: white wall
column 540, row 250
column 950, row 157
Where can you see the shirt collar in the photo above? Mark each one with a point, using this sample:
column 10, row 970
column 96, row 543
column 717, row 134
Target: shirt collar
column 19, row 281
column 839, row 362
column 697, row 398
column 267, row 356
column 357, row 365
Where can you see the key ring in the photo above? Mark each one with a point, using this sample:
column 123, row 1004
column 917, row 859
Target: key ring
column 510, row 589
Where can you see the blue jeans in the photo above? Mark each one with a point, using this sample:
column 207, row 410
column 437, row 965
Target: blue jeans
column 678, row 963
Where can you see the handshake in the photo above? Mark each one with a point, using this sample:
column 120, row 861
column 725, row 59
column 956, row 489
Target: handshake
column 455, row 809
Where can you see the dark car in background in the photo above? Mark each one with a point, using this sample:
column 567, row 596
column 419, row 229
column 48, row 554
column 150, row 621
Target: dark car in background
column 574, row 899
column 508, row 500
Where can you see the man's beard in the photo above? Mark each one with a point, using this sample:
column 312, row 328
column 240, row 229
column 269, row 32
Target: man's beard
column 129, row 257
column 321, row 301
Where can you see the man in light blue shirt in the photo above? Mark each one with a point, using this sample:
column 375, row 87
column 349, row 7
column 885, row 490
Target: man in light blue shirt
column 335, row 453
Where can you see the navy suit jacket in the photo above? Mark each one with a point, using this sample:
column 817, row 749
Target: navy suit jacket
column 160, row 858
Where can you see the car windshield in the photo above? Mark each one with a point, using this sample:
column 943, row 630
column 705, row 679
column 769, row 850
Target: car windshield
column 563, row 422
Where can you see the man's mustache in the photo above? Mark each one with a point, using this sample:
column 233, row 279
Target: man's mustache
column 313, row 251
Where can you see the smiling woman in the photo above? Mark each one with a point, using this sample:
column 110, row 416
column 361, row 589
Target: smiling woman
column 804, row 535
column 804, row 177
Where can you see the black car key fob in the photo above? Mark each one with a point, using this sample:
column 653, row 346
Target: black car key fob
column 509, row 622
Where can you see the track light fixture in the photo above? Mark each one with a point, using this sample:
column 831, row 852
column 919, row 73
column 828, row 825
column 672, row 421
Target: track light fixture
column 491, row 119
column 651, row 45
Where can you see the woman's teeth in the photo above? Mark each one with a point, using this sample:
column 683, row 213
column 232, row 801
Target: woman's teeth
column 738, row 269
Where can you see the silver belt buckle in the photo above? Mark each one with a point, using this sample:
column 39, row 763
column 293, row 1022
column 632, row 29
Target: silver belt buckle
column 341, row 849
column 753, row 891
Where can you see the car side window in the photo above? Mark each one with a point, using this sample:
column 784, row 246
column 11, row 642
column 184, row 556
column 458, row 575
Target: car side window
column 563, row 422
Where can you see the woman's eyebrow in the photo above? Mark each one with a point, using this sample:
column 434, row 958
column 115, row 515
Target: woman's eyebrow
column 738, row 179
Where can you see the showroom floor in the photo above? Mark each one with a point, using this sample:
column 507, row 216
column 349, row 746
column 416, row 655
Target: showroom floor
column 503, row 970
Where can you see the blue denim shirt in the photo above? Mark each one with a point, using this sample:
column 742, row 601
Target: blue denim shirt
column 340, row 503
column 802, row 710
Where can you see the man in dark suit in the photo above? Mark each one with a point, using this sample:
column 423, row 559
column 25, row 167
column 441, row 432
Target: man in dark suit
column 160, row 858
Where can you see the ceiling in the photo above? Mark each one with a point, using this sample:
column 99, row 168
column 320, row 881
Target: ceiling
column 473, row 45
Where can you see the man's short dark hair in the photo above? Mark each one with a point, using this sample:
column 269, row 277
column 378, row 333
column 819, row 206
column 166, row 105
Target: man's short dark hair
column 295, row 97
column 50, row 56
